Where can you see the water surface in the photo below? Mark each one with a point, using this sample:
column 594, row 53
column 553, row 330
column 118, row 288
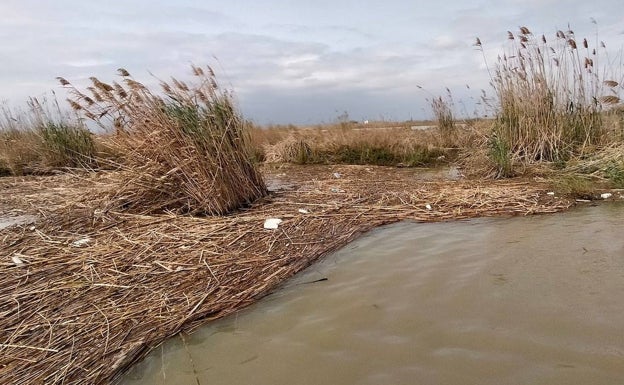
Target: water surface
column 531, row 300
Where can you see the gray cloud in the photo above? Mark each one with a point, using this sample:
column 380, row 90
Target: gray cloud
column 287, row 61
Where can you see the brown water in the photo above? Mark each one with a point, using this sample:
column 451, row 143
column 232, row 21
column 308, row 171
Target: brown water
column 533, row 300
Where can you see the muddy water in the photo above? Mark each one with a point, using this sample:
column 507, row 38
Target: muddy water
column 534, row 300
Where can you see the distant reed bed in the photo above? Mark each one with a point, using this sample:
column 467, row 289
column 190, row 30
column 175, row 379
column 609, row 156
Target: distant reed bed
column 42, row 138
column 337, row 144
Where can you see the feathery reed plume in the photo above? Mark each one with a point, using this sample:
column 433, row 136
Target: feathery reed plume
column 610, row 83
column 123, row 72
column 610, row 99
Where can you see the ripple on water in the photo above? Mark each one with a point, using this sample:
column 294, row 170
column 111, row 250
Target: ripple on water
column 488, row 301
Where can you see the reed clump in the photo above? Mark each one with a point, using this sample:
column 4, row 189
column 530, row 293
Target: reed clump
column 551, row 100
column 442, row 108
column 64, row 142
column 186, row 149
column 41, row 139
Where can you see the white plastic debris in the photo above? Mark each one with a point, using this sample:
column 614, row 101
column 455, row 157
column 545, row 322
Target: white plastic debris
column 551, row 193
column 337, row 190
column 303, row 211
column 17, row 260
column 272, row 223
column 605, row 195
column 428, row 206
column 81, row 242
column 337, row 175
column 31, row 228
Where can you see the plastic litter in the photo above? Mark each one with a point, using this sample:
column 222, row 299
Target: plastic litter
column 81, row 242
column 17, row 261
column 428, row 206
column 337, row 175
column 272, row 223
column 303, row 211
column 605, row 195
column 551, row 193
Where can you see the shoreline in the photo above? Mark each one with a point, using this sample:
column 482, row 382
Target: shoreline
column 98, row 291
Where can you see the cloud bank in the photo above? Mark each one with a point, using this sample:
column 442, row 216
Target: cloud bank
column 286, row 61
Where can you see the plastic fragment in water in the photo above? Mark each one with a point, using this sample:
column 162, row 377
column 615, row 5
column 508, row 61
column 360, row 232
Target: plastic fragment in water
column 605, row 195
column 272, row 223
column 81, row 242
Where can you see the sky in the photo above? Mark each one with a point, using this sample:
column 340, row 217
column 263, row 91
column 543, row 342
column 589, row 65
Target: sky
column 301, row 62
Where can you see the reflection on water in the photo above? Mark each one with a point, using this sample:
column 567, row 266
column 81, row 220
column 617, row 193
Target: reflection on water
column 533, row 300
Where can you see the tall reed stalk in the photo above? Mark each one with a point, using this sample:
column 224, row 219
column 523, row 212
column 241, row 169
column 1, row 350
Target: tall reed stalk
column 443, row 112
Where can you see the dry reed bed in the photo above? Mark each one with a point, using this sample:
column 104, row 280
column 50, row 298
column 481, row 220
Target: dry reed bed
column 32, row 194
column 83, row 313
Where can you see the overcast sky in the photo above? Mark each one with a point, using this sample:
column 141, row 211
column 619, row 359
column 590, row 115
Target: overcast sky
column 287, row 61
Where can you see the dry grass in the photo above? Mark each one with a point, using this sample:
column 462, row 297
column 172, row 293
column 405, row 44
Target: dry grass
column 188, row 151
column 17, row 155
column 383, row 146
column 98, row 290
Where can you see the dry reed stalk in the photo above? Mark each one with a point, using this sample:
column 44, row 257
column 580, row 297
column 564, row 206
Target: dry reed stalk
column 97, row 291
